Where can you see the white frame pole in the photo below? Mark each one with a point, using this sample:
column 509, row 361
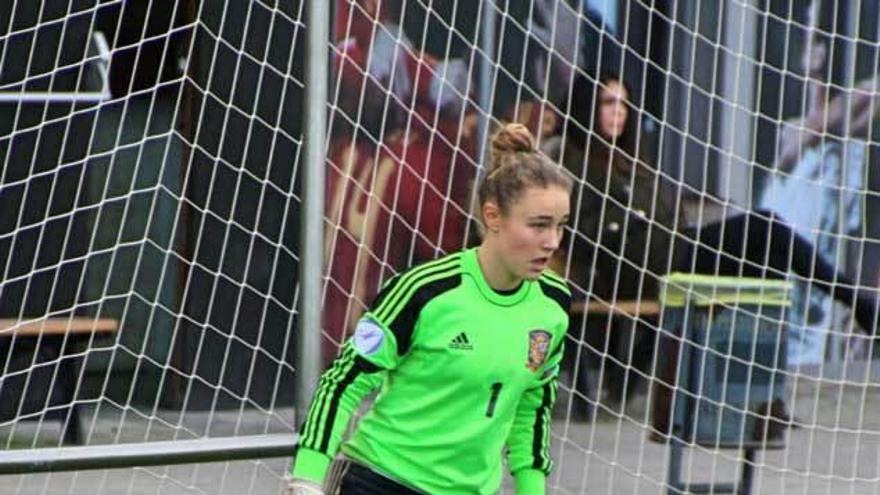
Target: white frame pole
column 311, row 260
column 70, row 96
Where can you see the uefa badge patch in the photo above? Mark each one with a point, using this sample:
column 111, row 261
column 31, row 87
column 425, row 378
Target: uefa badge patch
column 368, row 337
column 539, row 344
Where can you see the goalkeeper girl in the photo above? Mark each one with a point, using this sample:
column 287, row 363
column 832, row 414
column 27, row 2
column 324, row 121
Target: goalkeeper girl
column 464, row 350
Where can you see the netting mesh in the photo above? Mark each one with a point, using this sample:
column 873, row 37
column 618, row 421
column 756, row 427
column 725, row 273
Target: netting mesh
column 149, row 245
column 150, row 249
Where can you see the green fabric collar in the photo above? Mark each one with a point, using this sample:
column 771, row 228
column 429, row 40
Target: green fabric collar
column 472, row 268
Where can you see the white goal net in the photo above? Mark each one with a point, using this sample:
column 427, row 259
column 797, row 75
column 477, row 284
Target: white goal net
column 721, row 251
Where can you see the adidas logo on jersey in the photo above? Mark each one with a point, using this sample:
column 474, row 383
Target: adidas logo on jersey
column 461, row 342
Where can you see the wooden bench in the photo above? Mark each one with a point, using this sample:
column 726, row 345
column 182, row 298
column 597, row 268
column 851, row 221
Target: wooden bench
column 626, row 308
column 53, row 336
column 57, row 326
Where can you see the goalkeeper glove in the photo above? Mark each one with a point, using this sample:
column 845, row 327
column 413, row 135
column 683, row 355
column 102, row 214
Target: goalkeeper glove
column 303, row 487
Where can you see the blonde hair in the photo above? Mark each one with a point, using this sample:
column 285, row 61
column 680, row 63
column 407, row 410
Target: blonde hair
column 515, row 164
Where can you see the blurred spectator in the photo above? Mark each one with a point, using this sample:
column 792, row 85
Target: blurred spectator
column 818, row 185
column 623, row 219
column 400, row 161
column 760, row 244
column 381, row 77
column 541, row 118
column 625, row 209
column 567, row 37
column 624, row 231
column 830, row 114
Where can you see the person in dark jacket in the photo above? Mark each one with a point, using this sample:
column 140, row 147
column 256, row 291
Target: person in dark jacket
column 760, row 244
column 624, row 215
column 629, row 231
column 626, row 210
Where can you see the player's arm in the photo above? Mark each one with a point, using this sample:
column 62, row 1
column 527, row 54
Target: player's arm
column 339, row 393
column 529, row 440
column 365, row 360
column 381, row 340
column 528, row 444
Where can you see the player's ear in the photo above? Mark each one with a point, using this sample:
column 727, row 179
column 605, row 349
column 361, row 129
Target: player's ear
column 491, row 216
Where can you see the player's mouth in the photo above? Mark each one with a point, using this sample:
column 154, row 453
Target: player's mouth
column 540, row 263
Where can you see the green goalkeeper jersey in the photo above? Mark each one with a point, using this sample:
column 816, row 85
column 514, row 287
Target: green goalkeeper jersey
column 463, row 371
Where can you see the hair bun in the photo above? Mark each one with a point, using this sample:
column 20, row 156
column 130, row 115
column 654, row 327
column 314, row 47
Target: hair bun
column 513, row 138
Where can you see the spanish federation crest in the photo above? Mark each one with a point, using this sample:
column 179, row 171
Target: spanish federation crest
column 539, row 344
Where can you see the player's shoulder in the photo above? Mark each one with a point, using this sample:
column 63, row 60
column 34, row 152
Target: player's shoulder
column 443, row 267
column 555, row 288
column 426, row 280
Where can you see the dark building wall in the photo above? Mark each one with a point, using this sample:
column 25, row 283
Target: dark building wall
column 86, row 186
column 171, row 206
column 238, row 247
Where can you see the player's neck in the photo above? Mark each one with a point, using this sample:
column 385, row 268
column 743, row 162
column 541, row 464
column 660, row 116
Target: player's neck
column 496, row 275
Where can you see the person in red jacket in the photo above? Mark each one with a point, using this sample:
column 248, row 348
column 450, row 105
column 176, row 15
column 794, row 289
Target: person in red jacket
column 400, row 162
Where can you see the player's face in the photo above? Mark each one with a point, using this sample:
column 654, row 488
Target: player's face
column 532, row 230
column 613, row 111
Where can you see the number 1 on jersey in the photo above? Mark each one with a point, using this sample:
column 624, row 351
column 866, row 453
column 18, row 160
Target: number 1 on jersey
column 496, row 389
